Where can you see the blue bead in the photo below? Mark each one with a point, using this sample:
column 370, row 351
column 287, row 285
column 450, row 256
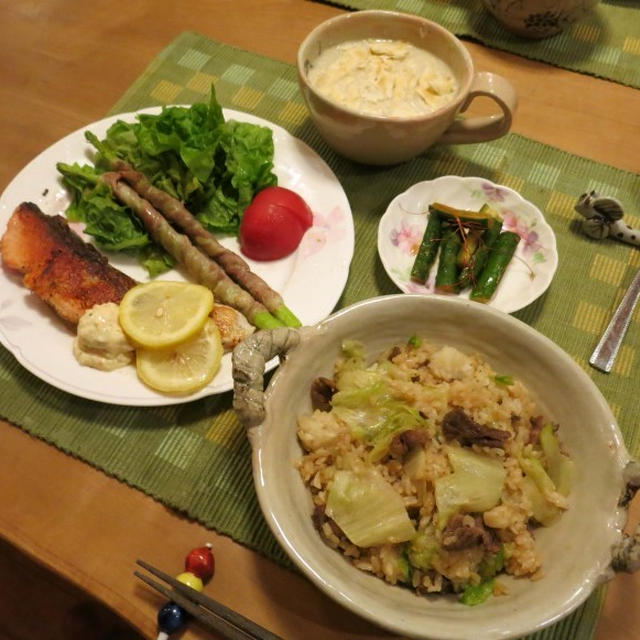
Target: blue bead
column 170, row 617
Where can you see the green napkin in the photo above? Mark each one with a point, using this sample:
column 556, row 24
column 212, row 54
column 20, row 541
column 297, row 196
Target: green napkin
column 195, row 457
column 604, row 43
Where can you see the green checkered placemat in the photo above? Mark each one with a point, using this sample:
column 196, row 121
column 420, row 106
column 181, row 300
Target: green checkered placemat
column 195, row 457
column 604, row 43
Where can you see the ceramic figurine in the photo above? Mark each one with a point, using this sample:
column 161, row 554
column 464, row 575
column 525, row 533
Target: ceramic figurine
column 603, row 218
column 626, row 554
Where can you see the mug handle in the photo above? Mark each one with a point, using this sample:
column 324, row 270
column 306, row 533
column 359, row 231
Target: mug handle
column 483, row 128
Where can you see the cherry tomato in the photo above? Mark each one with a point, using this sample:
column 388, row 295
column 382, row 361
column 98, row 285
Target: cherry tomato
column 273, row 224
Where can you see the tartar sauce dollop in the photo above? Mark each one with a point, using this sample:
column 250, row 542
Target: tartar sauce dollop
column 100, row 342
column 383, row 77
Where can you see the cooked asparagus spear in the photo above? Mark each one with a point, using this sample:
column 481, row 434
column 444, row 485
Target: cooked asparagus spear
column 499, row 257
column 464, row 216
column 236, row 268
column 428, row 249
column 471, row 272
column 201, row 268
column 447, row 274
column 468, row 249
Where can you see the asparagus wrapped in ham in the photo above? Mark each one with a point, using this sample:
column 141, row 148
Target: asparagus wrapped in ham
column 198, row 265
column 235, row 267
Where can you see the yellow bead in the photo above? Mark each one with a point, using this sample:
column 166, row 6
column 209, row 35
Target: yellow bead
column 191, row 580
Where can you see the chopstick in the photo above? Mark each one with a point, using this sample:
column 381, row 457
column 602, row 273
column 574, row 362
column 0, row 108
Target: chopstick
column 228, row 623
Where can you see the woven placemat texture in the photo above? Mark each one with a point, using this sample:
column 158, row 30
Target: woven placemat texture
column 195, row 457
column 604, row 43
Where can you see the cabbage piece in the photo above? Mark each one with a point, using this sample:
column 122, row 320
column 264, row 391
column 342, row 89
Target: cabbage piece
column 397, row 418
column 477, row 594
column 422, row 549
column 365, row 403
column 353, row 379
column 491, row 564
column 489, row 567
column 560, row 468
column 534, row 469
column 367, row 509
column 352, row 358
column 476, row 484
column 543, row 511
column 374, row 416
column 360, row 409
column 415, row 464
column 396, row 563
column 366, row 390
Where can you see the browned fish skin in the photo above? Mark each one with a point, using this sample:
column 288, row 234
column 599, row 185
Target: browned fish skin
column 66, row 272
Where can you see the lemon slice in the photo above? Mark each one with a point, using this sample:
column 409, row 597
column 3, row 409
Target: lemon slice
column 184, row 368
column 160, row 314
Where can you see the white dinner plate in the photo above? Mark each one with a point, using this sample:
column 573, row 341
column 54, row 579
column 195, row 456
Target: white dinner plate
column 310, row 280
column 531, row 269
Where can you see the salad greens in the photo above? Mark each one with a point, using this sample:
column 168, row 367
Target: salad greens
column 215, row 167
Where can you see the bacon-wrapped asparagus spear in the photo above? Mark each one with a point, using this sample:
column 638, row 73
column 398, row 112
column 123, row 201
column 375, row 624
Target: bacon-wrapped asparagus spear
column 237, row 269
column 175, row 211
column 200, row 267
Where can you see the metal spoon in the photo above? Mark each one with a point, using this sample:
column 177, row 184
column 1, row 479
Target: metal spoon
column 605, row 353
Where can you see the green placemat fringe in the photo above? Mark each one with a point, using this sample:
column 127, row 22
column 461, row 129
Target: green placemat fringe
column 195, row 457
column 604, row 43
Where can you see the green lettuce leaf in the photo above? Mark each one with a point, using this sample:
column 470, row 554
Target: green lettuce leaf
column 214, row 167
column 112, row 225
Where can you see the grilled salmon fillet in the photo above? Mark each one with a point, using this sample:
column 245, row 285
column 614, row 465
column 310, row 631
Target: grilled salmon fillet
column 66, row 272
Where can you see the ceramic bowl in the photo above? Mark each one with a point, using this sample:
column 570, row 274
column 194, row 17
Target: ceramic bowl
column 576, row 550
column 538, row 18
column 385, row 140
column 402, row 226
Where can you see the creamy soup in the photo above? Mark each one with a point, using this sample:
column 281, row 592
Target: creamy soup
column 383, row 77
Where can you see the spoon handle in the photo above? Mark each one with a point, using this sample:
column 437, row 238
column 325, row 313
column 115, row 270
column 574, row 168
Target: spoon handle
column 605, row 353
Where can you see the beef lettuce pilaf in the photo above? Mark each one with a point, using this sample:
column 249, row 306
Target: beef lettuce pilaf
column 430, row 470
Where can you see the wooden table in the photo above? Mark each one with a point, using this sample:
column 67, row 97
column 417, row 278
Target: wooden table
column 64, row 64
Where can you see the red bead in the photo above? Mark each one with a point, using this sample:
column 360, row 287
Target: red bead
column 200, row 562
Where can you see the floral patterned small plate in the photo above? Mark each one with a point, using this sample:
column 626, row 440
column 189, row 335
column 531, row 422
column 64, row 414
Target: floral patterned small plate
column 531, row 269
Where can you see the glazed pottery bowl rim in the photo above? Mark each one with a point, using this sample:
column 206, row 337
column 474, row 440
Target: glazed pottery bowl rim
column 274, row 449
